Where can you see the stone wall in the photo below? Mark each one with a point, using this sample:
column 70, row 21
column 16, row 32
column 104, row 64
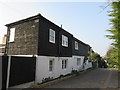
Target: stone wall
column 26, row 39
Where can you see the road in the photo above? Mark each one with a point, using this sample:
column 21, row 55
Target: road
column 97, row 78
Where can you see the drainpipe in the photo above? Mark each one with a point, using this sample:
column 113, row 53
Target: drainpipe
column 36, row 68
column 8, row 71
column 59, row 43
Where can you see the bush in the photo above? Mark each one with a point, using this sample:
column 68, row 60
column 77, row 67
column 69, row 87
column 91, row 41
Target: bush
column 75, row 72
column 61, row 76
column 47, row 79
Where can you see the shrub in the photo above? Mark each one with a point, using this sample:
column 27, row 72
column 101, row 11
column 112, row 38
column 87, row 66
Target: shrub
column 75, row 72
column 47, row 79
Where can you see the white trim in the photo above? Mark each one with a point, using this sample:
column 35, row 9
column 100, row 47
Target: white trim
column 64, row 65
column 64, row 41
column 76, row 45
column 50, row 32
column 25, row 55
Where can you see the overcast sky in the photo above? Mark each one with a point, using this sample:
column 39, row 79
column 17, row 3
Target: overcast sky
column 87, row 21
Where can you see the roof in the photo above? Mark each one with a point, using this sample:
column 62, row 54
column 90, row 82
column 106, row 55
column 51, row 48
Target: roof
column 81, row 41
column 37, row 17
column 56, row 25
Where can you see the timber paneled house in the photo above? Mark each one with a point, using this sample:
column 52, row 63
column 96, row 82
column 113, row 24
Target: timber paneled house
column 57, row 51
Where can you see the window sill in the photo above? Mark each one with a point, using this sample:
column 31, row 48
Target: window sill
column 50, row 72
column 76, row 49
column 65, row 46
column 12, row 42
column 52, row 42
column 64, row 69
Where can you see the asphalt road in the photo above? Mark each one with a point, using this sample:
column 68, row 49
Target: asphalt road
column 97, row 78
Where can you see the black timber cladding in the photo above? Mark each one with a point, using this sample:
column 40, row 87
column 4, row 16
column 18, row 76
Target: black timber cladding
column 65, row 51
column 83, row 48
column 40, row 44
column 53, row 49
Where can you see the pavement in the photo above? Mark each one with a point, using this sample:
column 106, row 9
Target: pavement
column 25, row 85
column 97, row 78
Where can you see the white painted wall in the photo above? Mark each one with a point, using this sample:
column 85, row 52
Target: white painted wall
column 75, row 66
column 42, row 66
column 88, row 65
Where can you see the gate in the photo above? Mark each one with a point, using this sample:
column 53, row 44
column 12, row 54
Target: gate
column 22, row 70
column 4, row 71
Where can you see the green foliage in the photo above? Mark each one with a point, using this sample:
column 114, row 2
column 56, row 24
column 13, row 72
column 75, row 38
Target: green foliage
column 112, row 57
column 112, row 54
column 115, row 22
column 61, row 76
column 95, row 57
column 75, row 72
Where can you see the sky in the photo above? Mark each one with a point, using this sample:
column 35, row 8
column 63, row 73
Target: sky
column 87, row 21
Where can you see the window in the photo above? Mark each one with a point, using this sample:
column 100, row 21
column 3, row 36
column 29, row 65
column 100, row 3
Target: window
column 51, row 36
column 78, row 61
column 12, row 35
column 64, row 41
column 64, row 64
column 76, row 45
column 51, row 65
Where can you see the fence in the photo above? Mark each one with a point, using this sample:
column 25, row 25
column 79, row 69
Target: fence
column 17, row 70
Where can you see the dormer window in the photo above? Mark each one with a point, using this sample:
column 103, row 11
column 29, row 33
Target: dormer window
column 76, row 45
column 51, row 36
column 64, row 41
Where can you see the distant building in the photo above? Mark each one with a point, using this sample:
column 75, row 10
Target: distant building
column 2, row 46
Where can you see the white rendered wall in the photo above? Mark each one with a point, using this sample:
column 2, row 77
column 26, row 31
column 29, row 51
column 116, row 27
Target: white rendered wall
column 42, row 66
column 75, row 66
column 88, row 64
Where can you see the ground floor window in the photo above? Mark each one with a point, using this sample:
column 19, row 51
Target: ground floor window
column 64, row 63
column 51, row 64
column 78, row 61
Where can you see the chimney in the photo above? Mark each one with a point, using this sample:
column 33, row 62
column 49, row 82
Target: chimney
column 61, row 25
column 4, row 39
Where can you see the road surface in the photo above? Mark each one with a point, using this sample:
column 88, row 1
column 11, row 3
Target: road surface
column 97, row 78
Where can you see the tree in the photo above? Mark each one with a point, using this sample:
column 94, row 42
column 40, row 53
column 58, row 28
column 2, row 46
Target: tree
column 113, row 53
column 112, row 57
column 95, row 57
column 97, row 60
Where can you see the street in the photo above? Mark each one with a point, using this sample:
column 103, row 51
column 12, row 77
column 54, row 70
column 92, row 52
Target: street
column 97, row 78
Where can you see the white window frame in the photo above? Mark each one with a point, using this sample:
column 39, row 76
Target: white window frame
column 64, row 63
column 78, row 61
column 12, row 35
column 51, row 65
column 51, row 35
column 64, row 41
column 76, row 45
